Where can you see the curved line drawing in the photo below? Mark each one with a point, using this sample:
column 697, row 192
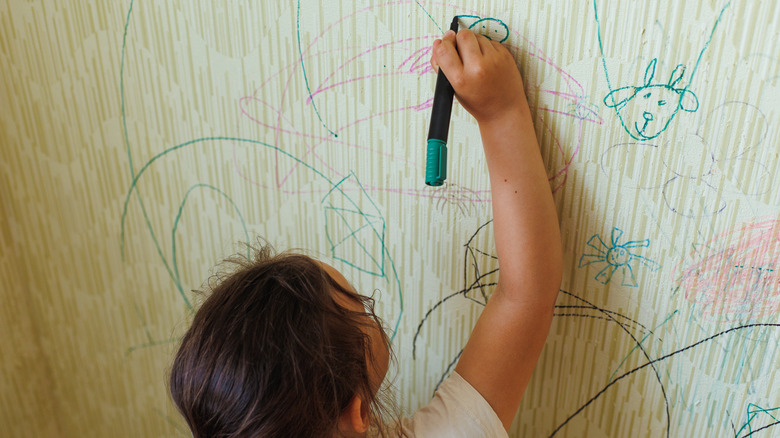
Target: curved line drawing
column 303, row 69
column 134, row 187
column 658, row 103
column 651, row 363
column 176, row 226
column 389, row 272
column 337, row 81
column 698, row 164
column 751, row 416
column 470, row 257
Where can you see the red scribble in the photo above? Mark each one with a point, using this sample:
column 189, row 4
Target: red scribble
column 736, row 276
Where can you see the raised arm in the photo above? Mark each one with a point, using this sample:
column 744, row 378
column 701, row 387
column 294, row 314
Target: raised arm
column 503, row 349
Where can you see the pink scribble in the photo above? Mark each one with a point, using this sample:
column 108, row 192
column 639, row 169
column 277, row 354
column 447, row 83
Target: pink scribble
column 736, row 276
column 307, row 143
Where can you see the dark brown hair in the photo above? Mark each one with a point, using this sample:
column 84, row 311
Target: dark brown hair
column 270, row 353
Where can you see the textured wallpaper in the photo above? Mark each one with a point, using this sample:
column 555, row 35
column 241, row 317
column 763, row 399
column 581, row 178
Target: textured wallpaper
column 141, row 142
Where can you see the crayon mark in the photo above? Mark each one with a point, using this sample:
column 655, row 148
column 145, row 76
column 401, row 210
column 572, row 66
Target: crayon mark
column 450, row 194
column 178, row 219
column 150, row 342
column 255, row 143
column 735, row 276
column 658, row 103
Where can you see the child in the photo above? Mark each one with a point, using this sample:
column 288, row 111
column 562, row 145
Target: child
column 285, row 347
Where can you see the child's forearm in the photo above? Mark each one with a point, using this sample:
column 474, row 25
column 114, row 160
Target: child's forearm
column 501, row 353
column 525, row 222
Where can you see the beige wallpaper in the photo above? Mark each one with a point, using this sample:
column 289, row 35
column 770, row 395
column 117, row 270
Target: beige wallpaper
column 142, row 141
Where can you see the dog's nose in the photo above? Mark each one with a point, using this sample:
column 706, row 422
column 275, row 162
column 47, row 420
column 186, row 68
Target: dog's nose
column 648, row 116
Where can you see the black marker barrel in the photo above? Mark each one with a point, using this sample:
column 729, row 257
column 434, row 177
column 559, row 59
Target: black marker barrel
column 436, row 153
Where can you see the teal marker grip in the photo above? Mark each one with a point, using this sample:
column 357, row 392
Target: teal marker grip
column 436, row 162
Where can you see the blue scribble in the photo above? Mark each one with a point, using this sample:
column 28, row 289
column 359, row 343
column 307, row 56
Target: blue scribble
column 617, row 257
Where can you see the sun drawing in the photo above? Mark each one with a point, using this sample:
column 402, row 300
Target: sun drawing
column 617, row 257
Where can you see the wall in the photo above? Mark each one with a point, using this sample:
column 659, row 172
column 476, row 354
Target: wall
column 141, row 141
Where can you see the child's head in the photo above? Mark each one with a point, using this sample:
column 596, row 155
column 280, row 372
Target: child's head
column 283, row 346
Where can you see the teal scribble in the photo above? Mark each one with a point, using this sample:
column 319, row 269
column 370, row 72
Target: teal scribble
column 150, row 344
column 755, row 411
column 142, row 171
column 359, row 227
column 658, row 103
column 639, row 344
column 645, row 111
column 178, row 218
column 583, row 109
column 429, row 16
column 491, row 28
column 172, row 265
column 617, row 257
column 303, row 69
column 345, row 226
column 133, row 175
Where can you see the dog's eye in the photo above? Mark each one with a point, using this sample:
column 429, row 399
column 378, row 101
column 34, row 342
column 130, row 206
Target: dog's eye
column 647, row 96
column 661, row 102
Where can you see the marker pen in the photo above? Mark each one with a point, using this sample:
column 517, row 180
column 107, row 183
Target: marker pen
column 436, row 156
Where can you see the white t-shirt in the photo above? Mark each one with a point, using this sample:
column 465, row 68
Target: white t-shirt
column 457, row 410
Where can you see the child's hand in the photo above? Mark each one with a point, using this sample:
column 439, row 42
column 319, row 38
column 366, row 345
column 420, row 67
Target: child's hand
column 483, row 73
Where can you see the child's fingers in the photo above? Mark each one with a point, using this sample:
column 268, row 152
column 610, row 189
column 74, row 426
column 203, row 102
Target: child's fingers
column 468, row 47
column 485, row 45
column 434, row 64
column 446, row 56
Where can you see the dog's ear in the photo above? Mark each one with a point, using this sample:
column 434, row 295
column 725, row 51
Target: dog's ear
column 688, row 101
column 650, row 71
column 617, row 98
column 677, row 74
